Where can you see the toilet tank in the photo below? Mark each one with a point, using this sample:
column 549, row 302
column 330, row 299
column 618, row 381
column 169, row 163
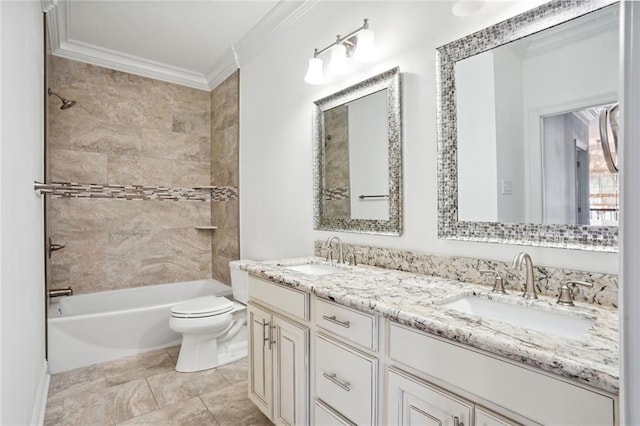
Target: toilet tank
column 239, row 280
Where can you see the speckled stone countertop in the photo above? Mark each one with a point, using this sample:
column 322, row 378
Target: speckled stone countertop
column 415, row 300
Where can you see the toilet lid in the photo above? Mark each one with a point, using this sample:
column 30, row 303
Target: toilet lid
column 202, row 307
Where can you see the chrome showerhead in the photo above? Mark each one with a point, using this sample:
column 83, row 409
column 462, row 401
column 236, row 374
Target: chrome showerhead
column 66, row 103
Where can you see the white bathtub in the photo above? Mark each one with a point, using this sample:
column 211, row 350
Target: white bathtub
column 91, row 328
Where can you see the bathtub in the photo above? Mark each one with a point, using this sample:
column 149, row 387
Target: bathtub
column 91, row 328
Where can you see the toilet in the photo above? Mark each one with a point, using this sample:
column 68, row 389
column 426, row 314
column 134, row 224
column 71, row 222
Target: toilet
column 213, row 328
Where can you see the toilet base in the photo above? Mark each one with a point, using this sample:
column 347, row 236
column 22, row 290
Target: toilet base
column 199, row 352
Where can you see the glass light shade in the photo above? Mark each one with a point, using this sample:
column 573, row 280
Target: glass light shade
column 365, row 49
column 314, row 75
column 338, row 64
column 467, row 7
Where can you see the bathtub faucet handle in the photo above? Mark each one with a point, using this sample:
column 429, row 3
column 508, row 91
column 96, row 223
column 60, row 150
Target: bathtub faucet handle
column 57, row 292
column 54, row 247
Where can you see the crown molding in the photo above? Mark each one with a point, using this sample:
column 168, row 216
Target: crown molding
column 280, row 18
column 266, row 31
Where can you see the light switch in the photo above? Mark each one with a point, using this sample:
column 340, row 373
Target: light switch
column 506, row 187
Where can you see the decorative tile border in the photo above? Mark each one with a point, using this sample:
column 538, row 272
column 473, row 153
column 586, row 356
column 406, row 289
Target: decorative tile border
column 332, row 194
column 598, row 238
column 136, row 192
column 389, row 80
column 548, row 280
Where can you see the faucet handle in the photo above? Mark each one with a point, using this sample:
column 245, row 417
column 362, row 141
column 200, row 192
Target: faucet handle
column 329, row 254
column 352, row 258
column 565, row 298
column 498, row 286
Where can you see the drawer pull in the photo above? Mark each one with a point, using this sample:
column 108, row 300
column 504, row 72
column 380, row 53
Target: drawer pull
column 332, row 318
column 332, row 377
column 456, row 421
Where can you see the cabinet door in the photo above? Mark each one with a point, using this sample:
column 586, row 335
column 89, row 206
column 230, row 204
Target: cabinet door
column 413, row 402
column 291, row 373
column 260, row 358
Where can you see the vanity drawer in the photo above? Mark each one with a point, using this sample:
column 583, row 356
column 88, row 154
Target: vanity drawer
column 346, row 380
column 279, row 297
column 357, row 327
column 517, row 388
column 326, row 416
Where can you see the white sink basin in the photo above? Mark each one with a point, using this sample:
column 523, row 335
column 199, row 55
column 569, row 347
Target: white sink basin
column 555, row 323
column 315, row 269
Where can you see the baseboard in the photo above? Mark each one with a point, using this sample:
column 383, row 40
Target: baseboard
column 40, row 403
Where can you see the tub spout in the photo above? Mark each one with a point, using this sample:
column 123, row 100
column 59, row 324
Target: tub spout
column 57, row 292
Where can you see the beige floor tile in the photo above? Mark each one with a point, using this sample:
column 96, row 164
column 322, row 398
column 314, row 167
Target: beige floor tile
column 231, row 406
column 188, row 413
column 79, row 380
column 114, row 404
column 173, row 387
column 54, row 410
column 236, row 371
column 173, row 352
column 137, row 367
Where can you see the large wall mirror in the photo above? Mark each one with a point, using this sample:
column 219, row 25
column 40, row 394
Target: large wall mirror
column 528, row 129
column 358, row 158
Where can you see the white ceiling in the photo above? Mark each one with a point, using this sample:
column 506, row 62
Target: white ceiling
column 193, row 43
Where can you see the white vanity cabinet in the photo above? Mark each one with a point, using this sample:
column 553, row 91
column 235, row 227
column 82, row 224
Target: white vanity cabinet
column 278, row 353
column 315, row 361
column 534, row 397
column 346, row 364
column 412, row 402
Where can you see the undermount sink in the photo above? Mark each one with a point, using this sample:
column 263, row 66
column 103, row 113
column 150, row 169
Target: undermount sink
column 315, row 269
column 554, row 323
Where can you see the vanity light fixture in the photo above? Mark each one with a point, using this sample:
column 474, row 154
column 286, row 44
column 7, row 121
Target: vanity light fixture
column 359, row 43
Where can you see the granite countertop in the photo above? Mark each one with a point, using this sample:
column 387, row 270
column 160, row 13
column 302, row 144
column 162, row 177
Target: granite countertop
column 415, row 300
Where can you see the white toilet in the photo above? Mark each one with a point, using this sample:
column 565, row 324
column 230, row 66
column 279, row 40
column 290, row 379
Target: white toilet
column 213, row 328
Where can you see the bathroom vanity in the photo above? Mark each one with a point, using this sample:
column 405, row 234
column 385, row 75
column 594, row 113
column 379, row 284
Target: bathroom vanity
column 337, row 344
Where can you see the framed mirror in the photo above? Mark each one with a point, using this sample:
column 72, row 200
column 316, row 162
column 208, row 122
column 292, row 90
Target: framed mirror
column 358, row 158
column 527, row 129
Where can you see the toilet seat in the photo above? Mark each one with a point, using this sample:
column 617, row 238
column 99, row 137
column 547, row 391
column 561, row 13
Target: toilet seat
column 202, row 307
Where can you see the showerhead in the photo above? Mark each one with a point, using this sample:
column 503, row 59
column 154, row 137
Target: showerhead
column 66, row 103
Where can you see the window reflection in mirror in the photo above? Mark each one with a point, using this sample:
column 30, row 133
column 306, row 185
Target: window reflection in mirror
column 356, row 159
column 529, row 143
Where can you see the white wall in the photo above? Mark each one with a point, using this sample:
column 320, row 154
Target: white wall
column 369, row 153
column 629, row 296
column 22, row 346
column 276, row 171
column 477, row 156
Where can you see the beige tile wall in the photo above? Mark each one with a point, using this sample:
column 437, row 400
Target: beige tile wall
column 127, row 129
column 224, row 172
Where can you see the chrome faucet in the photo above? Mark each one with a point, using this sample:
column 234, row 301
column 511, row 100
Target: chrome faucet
column 330, row 249
column 529, row 286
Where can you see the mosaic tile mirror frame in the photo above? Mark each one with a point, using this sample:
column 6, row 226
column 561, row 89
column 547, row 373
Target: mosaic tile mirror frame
column 583, row 237
column 328, row 191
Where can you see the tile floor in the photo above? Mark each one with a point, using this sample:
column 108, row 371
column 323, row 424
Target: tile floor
column 146, row 390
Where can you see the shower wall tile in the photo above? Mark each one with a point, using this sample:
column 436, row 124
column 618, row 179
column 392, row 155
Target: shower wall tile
column 126, row 129
column 224, row 172
column 125, row 169
column 77, row 166
column 189, row 173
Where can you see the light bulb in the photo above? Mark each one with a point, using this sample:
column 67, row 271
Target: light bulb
column 314, row 75
column 365, row 49
column 338, row 64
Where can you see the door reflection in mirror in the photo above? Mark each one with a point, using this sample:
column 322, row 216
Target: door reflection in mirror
column 578, row 187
